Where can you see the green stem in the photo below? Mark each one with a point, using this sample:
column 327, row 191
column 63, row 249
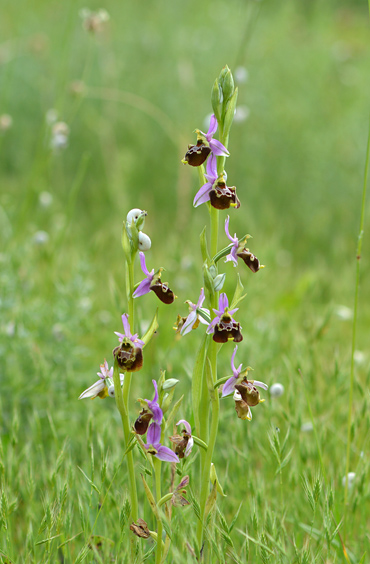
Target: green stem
column 205, row 476
column 122, row 401
column 122, row 408
column 130, row 290
column 157, row 470
column 352, row 377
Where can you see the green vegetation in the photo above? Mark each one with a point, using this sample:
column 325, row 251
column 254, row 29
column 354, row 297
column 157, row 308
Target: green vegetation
column 130, row 94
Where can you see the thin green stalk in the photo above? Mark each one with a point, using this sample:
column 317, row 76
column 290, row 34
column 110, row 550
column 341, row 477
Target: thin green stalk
column 157, row 471
column 354, row 324
column 206, row 458
column 211, row 443
column 122, row 399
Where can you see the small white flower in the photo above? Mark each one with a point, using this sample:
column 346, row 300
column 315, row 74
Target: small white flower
column 350, row 477
column 359, row 357
column 144, row 242
column 93, row 21
column 45, row 199
column 343, row 312
column 307, row 427
column 241, row 75
column 59, row 135
column 41, row 238
column 6, row 122
column 276, row 390
column 241, row 114
column 51, row 116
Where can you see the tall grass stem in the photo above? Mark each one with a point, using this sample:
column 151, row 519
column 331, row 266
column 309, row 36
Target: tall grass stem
column 354, row 323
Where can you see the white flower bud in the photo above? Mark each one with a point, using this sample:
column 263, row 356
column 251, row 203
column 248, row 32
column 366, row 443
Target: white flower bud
column 169, row 384
column 133, row 214
column 144, row 242
column 307, row 427
column 350, row 477
column 276, row 390
column 6, row 122
column 45, row 199
column 218, row 282
column 41, row 238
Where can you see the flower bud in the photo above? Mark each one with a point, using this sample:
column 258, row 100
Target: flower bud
column 217, row 99
column 169, row 384
column 227, row 84
column 219, row 281
column 137, row 216
column 144, row 242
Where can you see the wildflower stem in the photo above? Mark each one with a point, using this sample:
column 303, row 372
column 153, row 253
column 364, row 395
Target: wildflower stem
column 157, row 471
column 130, row 291
column 215, row 403
column 122, row 397
column 122, row 408
column 355, row 309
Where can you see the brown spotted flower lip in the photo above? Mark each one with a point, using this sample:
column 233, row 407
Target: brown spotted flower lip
column 197, row 154
column 223, row 326
column 129, row 357
column 250, row 259
column 142, row 422
column 223, row 197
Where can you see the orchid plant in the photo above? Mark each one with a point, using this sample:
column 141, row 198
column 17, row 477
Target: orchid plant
column 149, row 430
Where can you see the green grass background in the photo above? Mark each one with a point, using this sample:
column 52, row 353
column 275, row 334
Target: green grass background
column 297, row 162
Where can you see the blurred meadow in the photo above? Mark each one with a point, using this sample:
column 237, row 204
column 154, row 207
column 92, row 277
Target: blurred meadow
column 131, row 94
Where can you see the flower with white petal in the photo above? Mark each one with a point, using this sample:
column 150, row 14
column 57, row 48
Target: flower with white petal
column 184, row 443
column 99, row 388
column 193, row 319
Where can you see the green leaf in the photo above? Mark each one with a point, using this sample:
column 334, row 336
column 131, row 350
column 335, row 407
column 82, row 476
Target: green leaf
column 211, row 389
column 90, row 481
column 165, row 523
column 235, row 518
column 151, row 329
column 174, row 410
column 216, row 99
column 199, row 442
column 211, row 500
column 230, row 112
column 208, row 282
column 204, row 247
column 238, row 297
column 197, row 380
column 284, row 461
column 150, row 497
column 215, row 480
column 126, row 243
